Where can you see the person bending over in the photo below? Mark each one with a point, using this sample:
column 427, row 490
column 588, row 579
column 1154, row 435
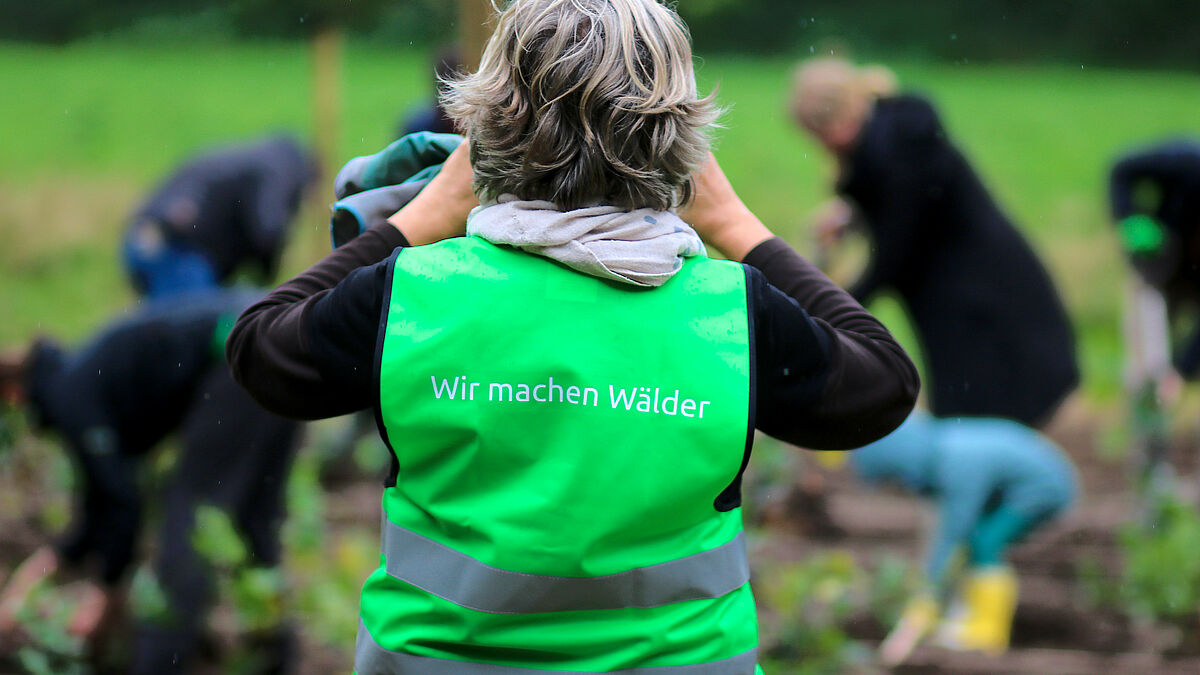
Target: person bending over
column 157, row 372
column 218, row 212
column 570, row 391
column 1154, row 194
column 994, row 482
column 1154, row 197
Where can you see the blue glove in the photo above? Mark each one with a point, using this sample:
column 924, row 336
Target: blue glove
column 373, row 187
column 354, row 214
column 410, row 158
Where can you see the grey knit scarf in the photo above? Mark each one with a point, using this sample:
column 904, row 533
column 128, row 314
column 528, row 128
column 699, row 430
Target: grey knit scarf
column 642, row 247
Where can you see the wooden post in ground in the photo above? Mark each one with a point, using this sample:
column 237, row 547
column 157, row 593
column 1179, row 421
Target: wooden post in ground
column 326, row 74
column 475, row 24
column 326, row 106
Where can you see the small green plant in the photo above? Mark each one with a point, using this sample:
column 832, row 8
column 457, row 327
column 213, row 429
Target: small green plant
column 216, row 539
column 810, row 601
column 38, row 662
column 147, row 600
column 1160, row 579
column 328, row 565
column 44, row 618
column 11, row 428
column 893, row 582
column 258, row 595
column 255, row 593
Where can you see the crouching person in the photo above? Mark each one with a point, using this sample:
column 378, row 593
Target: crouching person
column 994, row 482
column 158, row 372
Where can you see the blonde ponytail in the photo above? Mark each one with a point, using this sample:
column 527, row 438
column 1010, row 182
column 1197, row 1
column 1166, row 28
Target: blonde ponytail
column 824, row 89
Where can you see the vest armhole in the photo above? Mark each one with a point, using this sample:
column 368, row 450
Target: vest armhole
column 385, row 310
column 731, row 497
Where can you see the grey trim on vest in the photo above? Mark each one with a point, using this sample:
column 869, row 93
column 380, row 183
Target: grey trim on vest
column 372, row 659
column 463, row 580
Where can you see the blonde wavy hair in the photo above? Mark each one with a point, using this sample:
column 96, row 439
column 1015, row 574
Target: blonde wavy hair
column 580, row 102
column 825, row 89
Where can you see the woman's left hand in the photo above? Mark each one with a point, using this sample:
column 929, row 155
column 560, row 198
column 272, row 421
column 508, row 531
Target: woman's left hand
column 439, row 211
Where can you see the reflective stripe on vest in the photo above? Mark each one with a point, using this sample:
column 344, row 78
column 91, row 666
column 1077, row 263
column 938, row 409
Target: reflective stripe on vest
column 463, row 580
column 372, row 659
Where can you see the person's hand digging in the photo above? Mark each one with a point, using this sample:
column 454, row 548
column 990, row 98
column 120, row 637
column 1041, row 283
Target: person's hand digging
column 38, row 567
column 916, row 622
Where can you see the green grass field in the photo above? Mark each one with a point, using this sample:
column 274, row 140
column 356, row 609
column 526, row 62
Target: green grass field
column 89, row 128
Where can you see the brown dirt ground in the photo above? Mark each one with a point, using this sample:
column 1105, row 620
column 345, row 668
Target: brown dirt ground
column 1054, row 631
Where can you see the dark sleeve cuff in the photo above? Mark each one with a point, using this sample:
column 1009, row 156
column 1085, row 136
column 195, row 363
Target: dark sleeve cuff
column 390, row 236
column 768, row 255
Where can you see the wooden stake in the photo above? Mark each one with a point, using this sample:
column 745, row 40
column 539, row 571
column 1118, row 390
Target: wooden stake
column 476, row 20
column 327, row 97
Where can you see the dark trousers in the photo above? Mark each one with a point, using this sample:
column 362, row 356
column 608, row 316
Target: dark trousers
column 235, row 456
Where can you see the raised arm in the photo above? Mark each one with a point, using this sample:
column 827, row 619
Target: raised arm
column 829, row 375
column 869, row 384
column 307, row 349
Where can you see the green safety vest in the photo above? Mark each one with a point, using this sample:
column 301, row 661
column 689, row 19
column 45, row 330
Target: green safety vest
column 560, row 442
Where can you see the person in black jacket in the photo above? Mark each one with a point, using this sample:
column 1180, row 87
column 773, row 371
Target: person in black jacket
column 993, row 330
column 429, row 115
column 157, row 372
column 226, row 208
column 1155, row 200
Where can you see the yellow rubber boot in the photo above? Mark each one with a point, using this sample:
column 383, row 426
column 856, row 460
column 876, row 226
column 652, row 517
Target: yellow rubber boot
column 990, row 599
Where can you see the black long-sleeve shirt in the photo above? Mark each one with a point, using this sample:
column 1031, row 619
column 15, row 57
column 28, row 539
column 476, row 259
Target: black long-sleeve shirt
column 996, row 338
column 828, row 374
column 1163, row 181
column 234, row 203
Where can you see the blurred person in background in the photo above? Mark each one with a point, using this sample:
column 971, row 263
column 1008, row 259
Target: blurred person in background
column 429, row 115
column 534, row 520
column 1154, row 197
column 995, row 337
column 158, row 372
column 222, row 210
column 993, row 481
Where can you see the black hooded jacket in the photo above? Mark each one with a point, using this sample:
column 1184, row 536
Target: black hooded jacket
column 995, row 336
column 234, row 203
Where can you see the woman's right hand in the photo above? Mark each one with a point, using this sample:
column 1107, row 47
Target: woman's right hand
column 720, row 217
